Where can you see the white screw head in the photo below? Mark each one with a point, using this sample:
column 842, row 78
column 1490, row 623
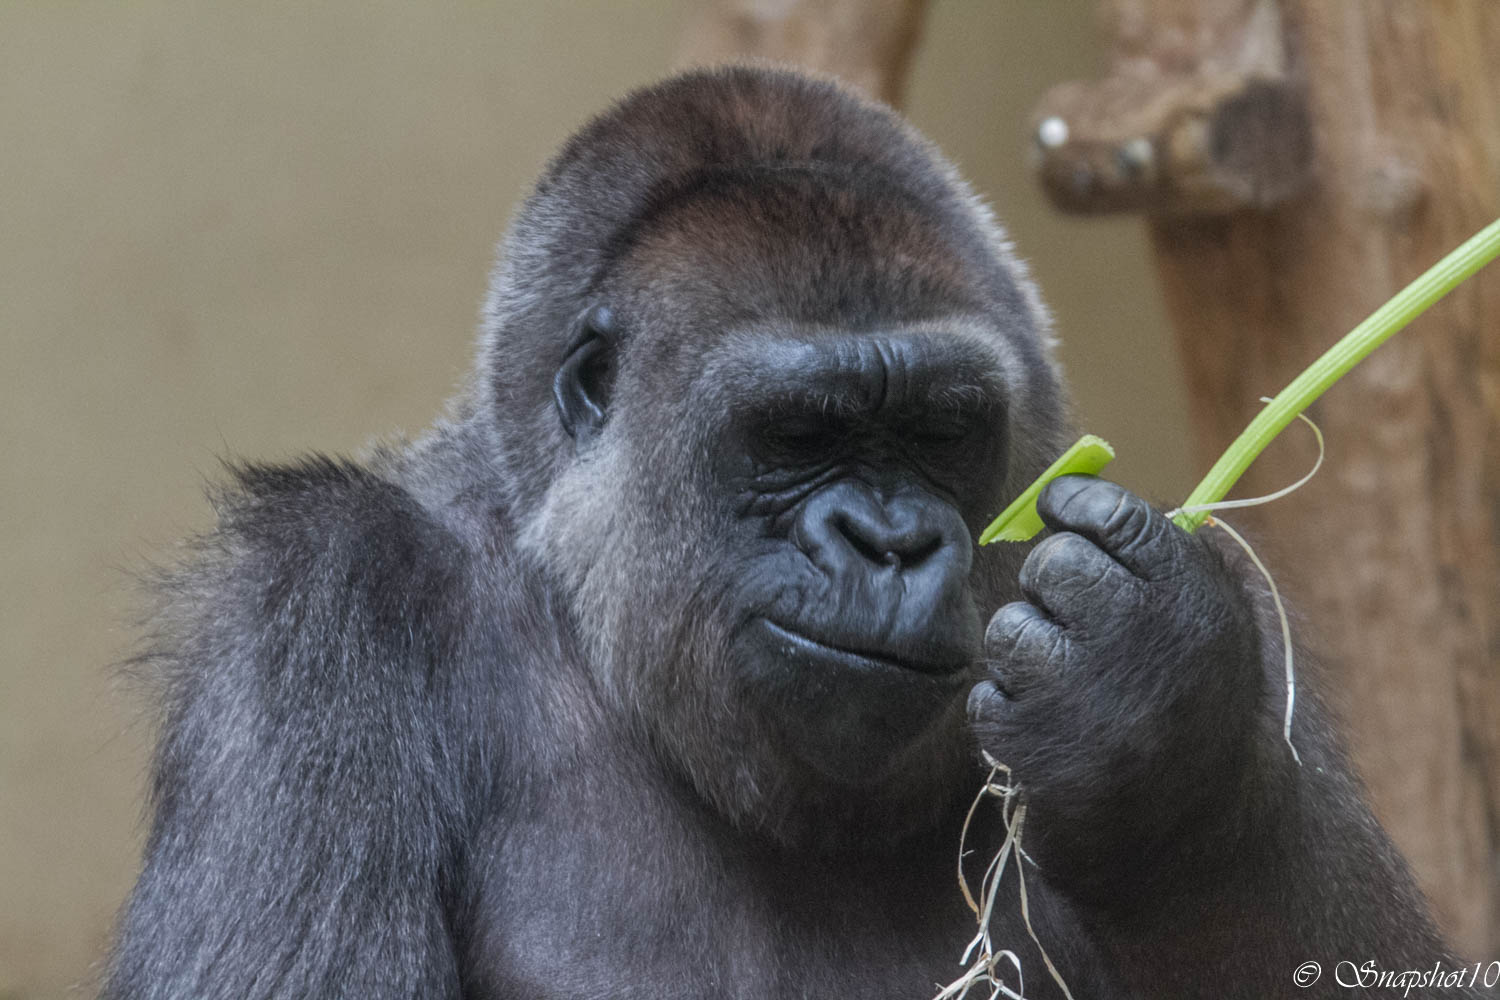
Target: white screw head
column 1052, row 132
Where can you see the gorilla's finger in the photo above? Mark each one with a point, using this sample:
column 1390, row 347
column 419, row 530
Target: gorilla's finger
column 998, row 723
column 987, row 701
column 1074, row 580
column 1020, row 645
column 1115, row 519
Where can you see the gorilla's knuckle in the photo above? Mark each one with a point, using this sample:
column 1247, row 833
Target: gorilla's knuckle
column 1007, row 627
column 1078, row 501
column 1055, row 561
column 986, row 701
column 1101, row 585
column 1061, row 551
column 1131, row 526
column 1125, row 510
column 1033, row 644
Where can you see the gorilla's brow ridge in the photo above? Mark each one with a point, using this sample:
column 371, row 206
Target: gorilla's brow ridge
column 799, row 375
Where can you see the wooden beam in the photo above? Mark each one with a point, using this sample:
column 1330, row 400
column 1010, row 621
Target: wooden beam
column 1375, row 149
column 868, row 43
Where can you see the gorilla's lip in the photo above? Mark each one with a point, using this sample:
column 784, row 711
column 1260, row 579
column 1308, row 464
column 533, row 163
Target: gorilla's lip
column 857, row 659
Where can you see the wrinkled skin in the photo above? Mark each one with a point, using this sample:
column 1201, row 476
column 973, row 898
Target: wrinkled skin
column 661, row 668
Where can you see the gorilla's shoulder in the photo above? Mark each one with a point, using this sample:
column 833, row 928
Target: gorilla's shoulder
column 320, row 559
column 324, row 515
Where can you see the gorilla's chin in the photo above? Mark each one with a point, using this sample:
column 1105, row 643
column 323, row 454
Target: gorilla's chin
column 854, row 717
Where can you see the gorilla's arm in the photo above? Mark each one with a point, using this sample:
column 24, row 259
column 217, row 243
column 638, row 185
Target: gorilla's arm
column 1138, row 695
column 304, row 788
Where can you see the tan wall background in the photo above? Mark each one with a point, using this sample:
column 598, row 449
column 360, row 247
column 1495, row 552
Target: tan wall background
column 255, row 229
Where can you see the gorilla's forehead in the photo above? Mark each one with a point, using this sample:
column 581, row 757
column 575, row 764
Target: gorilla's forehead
column 811, row 243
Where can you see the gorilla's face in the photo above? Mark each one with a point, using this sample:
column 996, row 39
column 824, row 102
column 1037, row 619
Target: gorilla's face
column 856, row 463
column 791, row 422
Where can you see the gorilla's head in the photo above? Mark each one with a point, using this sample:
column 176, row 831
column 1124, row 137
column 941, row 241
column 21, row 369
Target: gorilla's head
column 757, row 367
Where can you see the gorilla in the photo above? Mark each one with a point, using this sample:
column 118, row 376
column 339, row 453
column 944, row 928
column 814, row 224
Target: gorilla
column 665, row 664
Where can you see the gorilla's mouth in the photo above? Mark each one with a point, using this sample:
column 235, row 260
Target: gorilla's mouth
column 798, row 643
column 851, row 711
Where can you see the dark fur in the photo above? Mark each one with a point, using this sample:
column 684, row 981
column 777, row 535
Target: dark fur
column 472, row 719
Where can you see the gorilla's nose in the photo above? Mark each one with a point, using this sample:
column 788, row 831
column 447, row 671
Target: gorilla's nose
column 914, row 543
column 898, row 538
column 897, row 569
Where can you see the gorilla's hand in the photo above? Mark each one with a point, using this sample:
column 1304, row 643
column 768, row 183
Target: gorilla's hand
column 1123, row 693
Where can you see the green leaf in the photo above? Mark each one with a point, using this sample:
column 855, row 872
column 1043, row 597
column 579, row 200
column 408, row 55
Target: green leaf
column 1020, row 522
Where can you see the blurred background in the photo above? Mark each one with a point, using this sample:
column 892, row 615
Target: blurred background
column 257, row 229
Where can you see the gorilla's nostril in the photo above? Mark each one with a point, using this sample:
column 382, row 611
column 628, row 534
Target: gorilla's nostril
column 885, row 547
column 924, row 550
column 911, row 552
column 861, row 537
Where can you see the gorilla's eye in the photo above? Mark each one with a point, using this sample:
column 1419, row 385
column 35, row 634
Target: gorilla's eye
column 941, row 432
column 799, row 436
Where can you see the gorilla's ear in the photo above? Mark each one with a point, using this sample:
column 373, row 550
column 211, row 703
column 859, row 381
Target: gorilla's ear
column 582, row 385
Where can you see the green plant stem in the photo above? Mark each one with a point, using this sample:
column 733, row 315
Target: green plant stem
column 1406, row 306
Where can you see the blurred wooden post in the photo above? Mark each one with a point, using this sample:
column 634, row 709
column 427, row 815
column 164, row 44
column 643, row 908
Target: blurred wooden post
column 868, row 43
column 1297, row 163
